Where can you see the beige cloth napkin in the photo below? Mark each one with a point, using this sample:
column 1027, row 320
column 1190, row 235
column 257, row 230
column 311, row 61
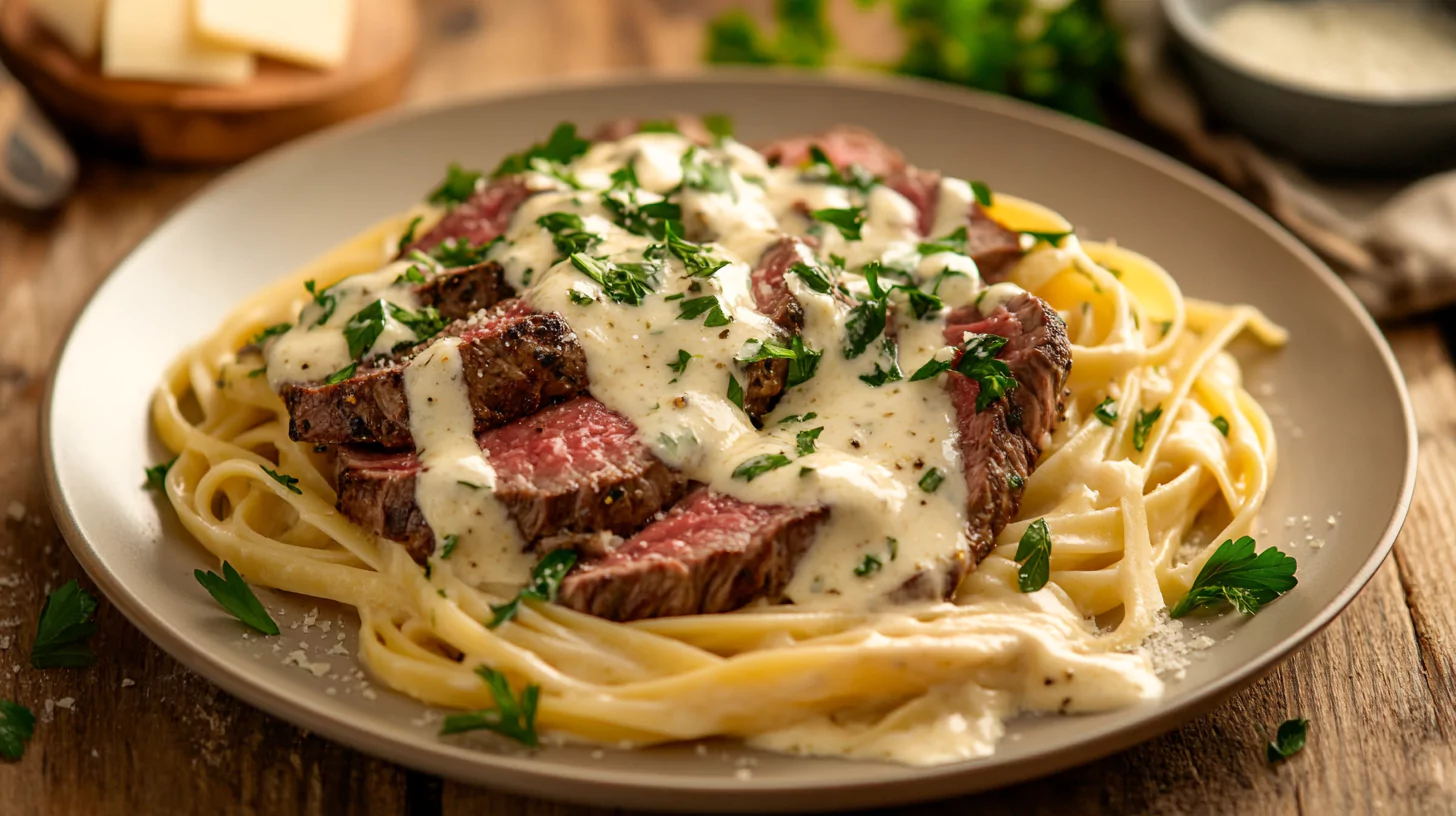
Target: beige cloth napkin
column 1394, row 243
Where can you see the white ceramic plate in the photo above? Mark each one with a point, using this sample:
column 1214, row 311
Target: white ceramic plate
column 1346, row 447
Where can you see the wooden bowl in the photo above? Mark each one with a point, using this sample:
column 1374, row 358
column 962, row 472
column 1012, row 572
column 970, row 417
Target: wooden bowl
column 205, row 124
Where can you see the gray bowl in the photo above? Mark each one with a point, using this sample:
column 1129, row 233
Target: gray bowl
column 1323, row 130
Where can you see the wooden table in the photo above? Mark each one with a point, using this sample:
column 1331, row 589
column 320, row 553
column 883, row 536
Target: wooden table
column 1379, row 685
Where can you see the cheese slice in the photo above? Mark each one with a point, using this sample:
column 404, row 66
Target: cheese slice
column 77, row 23
column 309, row 32
column 153, row 39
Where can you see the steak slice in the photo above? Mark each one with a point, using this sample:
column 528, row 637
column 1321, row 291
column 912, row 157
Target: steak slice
column 710, row 553
column 573, row 468
column 460, row 293
column 993, row 247
column 514, row 362
column 479, row 219
column 844, row 145
column 1005, row 440
column 766, row 380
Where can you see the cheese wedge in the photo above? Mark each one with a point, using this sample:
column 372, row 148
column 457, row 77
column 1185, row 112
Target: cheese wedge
column 309, row 32
column 77, row 23
column 153, row 39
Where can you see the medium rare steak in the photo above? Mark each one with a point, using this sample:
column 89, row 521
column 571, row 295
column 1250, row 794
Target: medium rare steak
column 577, row 467
column 480, row 219
column 710, row 553
column 1000, row 445
column 460, row 293
column 767, row 379
column 844, row 145
column 515, row 362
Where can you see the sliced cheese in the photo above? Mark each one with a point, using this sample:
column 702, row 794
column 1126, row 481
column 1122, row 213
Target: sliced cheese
column 153, row 39
column 77, row 23
column 310, row 32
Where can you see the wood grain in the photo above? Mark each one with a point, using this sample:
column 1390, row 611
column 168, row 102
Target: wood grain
column 1379, row 685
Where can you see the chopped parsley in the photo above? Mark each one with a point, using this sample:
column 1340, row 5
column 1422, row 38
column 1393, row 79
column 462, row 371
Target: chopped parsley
column 559, row 149
column 471, row 485
column 1288, row 740
column 272, row 331
column 323, row 300
column 881, row 376
column 568, row 232
column 982, row 192
column 652, row 219
column 450, row 542
column 709, row 304
column 368, row 323
column 1015, row 481
column 455, row 253
column 459, row 185
column 954, row 242
column 1105, row 413
column 511, row 718
column 848, row 220
column 735, row 392
column 579, row 297
column 411, row 275
column 798, row 418
column 680, row 365
column 820, row 168
column 1163, row 328
column 703, row 173
column 980, row 364
column 257, row 372
column 234, row 595
column 759, row 465
column 157, row 474
column 803, row 361
column 813, row 277
column 545, row 583
column 65, row 625
column 696, row 258
column 1234, row 573
column 17, row 726
column 657, row 126
column 719, row 125
column 628, row 283
column 869, row 566
column 930, row 482
column 1143, row 425
column 921, row 303
column 1222, row 425
column 1053, row 238
column 865, row 323
column 1034, row 554
column 409, row 235
column 342, row 374
column 284, row 479
column 805, row 440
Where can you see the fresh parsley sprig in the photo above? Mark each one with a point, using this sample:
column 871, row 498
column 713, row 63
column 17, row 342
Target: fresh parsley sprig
column 65, row 625
column 814, row 277
column 889, row 351
column 1288, row 740
column 977, row 361
column 1143, row 425
column 545, row 583
column 628, row 283
column 1034, row 554
column 702, row 172
column 707, row 304
column 1105, row 412
column 323, row 299
column 568, row 233
column 342, row 374
column 953, row 242
column 234, row 595
column 982, row 192
column 848, row 220
column 821, row 169
column 559, row 149
column 290, row 482
column 458, row 253
column 409, row 235
column 364, row 328
column 697, row 260
column 755, row 467
column 17, row 726
column 512, row 718
column 680, row 365
column 806, row 441
column 459, row 185
column 272, row 331
column 157, row 475
column 1234, row 573
column 803, row 361
column 735, row 392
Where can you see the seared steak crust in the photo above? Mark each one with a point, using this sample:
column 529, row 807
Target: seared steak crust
column 710, row 553
column 460, row 293
column 514, row 364
column 574, row 468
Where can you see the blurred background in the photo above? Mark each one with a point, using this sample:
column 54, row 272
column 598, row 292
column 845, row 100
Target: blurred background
column 1336, row 116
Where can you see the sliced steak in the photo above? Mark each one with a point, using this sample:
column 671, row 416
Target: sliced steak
column 514, row 362
column 574, row 468
column 479, row 219
column 993, row 247
column 710, row 553
column 1005, row 440
column 844, row 145
column 460, row 293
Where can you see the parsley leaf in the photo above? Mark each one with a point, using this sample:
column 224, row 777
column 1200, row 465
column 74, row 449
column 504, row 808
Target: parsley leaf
column 681, row 364
column 1105, row 413
column 284, row 479
column 568, row 232
column 954, row 242
column 869, row 566
column 411, row 275
column 458, row 186
column 342, row 374
column 691, row 308
column 65, row 624
column 813, row 277
column 735, row 392
column 510, row 718
column 17, row 726
column 451, row 541
column 980, row 364
column 982, row 192
column 560, row 148
column 1143, row 425
column 804, row 361
column 1222, row 425
column 626, row 283
column 272, row 331
column 1053, row 238
column 805, row 440
column 881, row 376
column 409, row 235
column 798, row 418
column 364, row 328
column 657, row 126
column 1288, row 740
column 848, row 220
column 323, row 300
column 652, row 219
column 454, row 253
column 757, row 466
column 865, row 323
column 719, row 125
column 157, row 474
column 700, row 173
column 579, row 297
column 932, row 368
column 234, row 594
column 820, row 168
column 1235, row 574
column 696, row 258
column 1034, row 554
column 545, row 583
column 930, row 482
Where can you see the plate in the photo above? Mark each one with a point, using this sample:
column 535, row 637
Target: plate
column 1351, row 460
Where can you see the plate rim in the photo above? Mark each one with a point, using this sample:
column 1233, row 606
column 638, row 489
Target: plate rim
column 588, row 785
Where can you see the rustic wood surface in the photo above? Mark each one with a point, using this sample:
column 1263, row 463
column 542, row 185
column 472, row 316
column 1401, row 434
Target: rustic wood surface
column 1379, row 684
